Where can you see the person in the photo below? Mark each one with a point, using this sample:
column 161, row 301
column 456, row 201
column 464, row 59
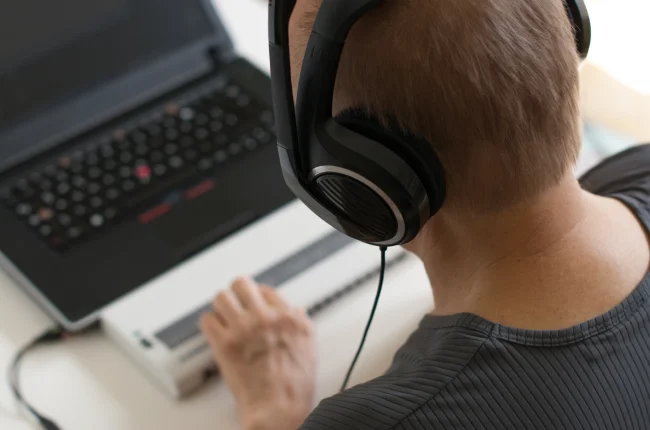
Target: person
column 539, row 279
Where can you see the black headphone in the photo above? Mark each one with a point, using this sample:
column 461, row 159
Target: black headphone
column 373, row 183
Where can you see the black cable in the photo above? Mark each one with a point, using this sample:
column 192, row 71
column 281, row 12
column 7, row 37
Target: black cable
column 52, row 335
column 382, row 271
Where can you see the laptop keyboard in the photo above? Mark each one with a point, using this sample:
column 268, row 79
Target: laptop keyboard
column 81, row 193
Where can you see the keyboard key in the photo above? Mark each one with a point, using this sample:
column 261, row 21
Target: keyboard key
column 35, row 177
column 126, row 157
column 175, row 162
column 250, row 143
column 156, row 157
column 139, row 138
column 125, row 145
column 106, row 151
column 201, row 119
column 172, row 134
column 91, row 160
column 232, row 91
column 159, row 169
column 172, row 109
column 61, row 176
column 63, row 188
column 65, row 162
column 128, row 185
column 45, row 214
column 190, row 155
column 50, row 170
column 153, row 130
column 76, row 168
column 108, row 179
column 96, row 202
column 96, row 220
column 216, row 113
column 220, row 156
column 186, row 127
column 143, row 172
column 48, row 198
column 267, row 117
column 94, row 172
column 78, row 181
column 141, row 149
column 80, row 210
column 112, row 194
column 45, row 230
column 243, row 100
column 171, row 149
column 110, row 213
column 93, row 188
column 234, row 148
column 231, row 120
column 125, row 172
column 110, row 165
column 77, row 196
column 45, row 184
column 186, row 114
column 187, row 141
column 61, row 205
column 201, row 133
column 205, row 147
column 221, row 139
column 119, row 135
column 74, row 232
column 34, row 220
column 205, row 164
column 261, row 135
column 64, row 220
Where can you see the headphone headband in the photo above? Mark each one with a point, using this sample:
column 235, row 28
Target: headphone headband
column 363, row 181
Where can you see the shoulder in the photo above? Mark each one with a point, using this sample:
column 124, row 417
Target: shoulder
column 430, row 360
column 626, row 171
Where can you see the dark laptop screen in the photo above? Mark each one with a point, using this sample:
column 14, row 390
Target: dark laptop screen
column 52, row 51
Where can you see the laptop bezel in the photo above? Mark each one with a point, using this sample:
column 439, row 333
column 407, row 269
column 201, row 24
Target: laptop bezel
column 67, row 120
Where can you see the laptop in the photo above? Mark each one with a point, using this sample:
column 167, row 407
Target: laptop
column 132, row 137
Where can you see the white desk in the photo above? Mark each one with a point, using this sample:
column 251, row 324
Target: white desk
column 87, row 383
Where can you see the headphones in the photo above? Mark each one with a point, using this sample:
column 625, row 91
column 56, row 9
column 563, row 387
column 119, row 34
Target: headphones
column 374, row 183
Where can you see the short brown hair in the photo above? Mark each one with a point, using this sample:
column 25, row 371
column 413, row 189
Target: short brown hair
column 492, row 84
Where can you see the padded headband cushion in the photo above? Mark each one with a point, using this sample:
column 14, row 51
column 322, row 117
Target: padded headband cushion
column 415, row 151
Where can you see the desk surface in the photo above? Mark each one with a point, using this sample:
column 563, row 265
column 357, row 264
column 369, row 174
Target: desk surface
column 88, row 383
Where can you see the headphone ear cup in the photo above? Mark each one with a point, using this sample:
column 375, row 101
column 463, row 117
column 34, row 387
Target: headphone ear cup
column 363, row 182
column 416, row 152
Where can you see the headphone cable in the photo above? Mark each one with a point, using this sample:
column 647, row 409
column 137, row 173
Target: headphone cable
column 382, row 272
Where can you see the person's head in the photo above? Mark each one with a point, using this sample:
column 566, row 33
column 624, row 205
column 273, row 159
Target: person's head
column 491, row 84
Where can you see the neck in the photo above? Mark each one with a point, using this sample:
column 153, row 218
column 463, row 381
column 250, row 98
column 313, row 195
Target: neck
column 521, row 265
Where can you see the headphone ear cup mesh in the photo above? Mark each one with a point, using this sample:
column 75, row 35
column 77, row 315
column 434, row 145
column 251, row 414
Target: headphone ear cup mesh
column 359, row 204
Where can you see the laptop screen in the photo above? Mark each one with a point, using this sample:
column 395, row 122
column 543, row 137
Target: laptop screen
column 53, row 51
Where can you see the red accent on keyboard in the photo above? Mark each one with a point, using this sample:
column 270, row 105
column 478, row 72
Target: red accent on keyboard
column 154, row 213
column 199, row 190
column 143, row 172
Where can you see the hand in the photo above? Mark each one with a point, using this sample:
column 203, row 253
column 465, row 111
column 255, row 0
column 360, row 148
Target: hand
column 265, row 353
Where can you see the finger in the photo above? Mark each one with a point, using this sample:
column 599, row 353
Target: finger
column 227, row 307
column 213, row 329
column 273, row 299
column 250, row 296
